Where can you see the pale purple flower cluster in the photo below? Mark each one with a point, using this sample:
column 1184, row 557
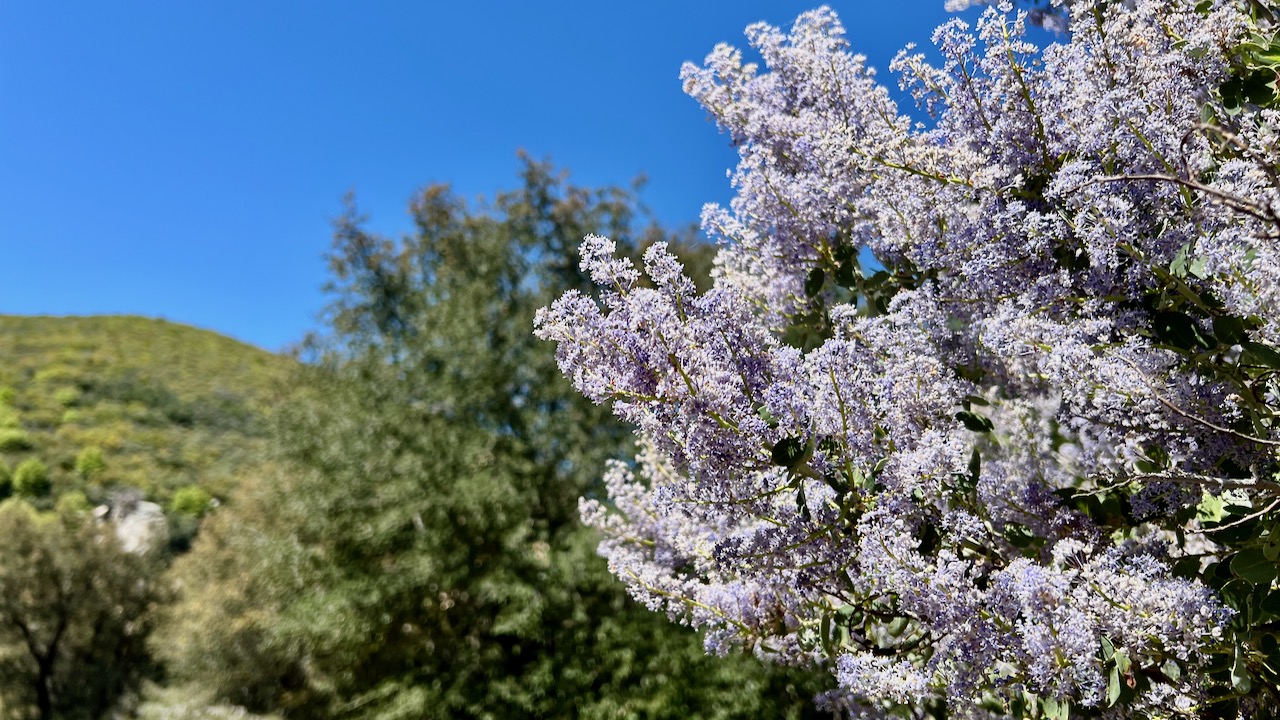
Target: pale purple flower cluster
column 886, row 498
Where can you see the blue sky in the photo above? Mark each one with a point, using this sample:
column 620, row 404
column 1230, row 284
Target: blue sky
column 184, row 159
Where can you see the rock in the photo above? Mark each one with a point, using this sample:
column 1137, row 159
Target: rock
column 139, row 525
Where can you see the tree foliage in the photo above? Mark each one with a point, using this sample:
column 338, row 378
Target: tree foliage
column 74, row 614
column 103, row 411
column 417, row 552
column 31, row 478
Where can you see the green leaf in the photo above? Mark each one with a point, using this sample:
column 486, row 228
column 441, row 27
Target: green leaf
column 1211, row 509
column 1113, row 686
column 1238, row 509
column 1146, row 466
column 1179, row 330
column 1178, row 268
column 880, row 465
column 848, row 274
column 790, row 452
column 1259, row 354
column 974, row 422
column 814, row 282
column 1197, row 268
column 1271, row 546
column 824, row 633
column 1228, row 329
column 1055, row 709
column 1186, row 568
column 1252, row 565
column 1019, row 535
column 1236, row 593
column 1108, row 650
column 1123, row 663
column 1271, row 649
column 1241, row 680
column 835, row 481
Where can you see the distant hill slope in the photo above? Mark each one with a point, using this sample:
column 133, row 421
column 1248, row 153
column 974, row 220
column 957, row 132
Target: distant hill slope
column 165, row 406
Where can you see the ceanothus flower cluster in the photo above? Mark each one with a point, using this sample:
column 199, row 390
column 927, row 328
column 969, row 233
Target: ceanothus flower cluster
column 961, row 476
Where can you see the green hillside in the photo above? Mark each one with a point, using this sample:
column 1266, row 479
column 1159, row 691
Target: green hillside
column 119, row 401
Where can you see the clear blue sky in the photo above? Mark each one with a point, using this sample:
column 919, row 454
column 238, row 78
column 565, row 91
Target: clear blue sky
column 183, row 159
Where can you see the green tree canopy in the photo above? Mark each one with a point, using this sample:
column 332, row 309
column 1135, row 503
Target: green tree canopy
column 73, row 614
column 418, row 553
column 31, row 478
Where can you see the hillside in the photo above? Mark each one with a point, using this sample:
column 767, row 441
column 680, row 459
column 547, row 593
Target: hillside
column 118, row 401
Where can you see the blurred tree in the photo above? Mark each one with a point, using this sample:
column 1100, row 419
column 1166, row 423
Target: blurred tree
column 89, row 462
column 73, row 614
column 191, row 500
column 31, row 478
column 420, row 555
column 14, row 440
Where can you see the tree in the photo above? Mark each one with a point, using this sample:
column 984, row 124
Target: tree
column 74, row 614
column 192, row 500
column 1025, row 463
column 31, row 478
column 89, row 462
column 419, row 552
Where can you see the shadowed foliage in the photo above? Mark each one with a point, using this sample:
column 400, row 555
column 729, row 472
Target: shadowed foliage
column 74, row 614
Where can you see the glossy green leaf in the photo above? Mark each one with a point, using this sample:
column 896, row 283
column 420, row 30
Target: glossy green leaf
column 1228, row 329
column 1113, row 686
column 1253, row 566
column 1259, row 354
column 1179, row 330
column 1241, row 679
column 974, row 422
column 1019, row 535
column 790, row 452
column 814, row 282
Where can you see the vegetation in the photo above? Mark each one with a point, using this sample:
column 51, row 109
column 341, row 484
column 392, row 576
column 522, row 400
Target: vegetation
column 130, row 402
column 74, row 614
column 400, row 540
column 1028, row 465
column 98, row 411
column 416, row 552
column 31, row 479
column 1023, row 465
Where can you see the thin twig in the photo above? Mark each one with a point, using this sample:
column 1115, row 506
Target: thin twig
column 1202, row 480
column 1247, row 518
column 1234, row 202
column 1194, row 418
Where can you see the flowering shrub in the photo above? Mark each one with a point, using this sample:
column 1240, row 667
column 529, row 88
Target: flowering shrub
column 1023, row 464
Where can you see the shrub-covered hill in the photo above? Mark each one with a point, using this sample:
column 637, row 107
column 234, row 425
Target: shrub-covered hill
column 113, row 402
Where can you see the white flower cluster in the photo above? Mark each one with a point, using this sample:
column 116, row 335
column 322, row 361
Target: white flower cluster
column 887, row 471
